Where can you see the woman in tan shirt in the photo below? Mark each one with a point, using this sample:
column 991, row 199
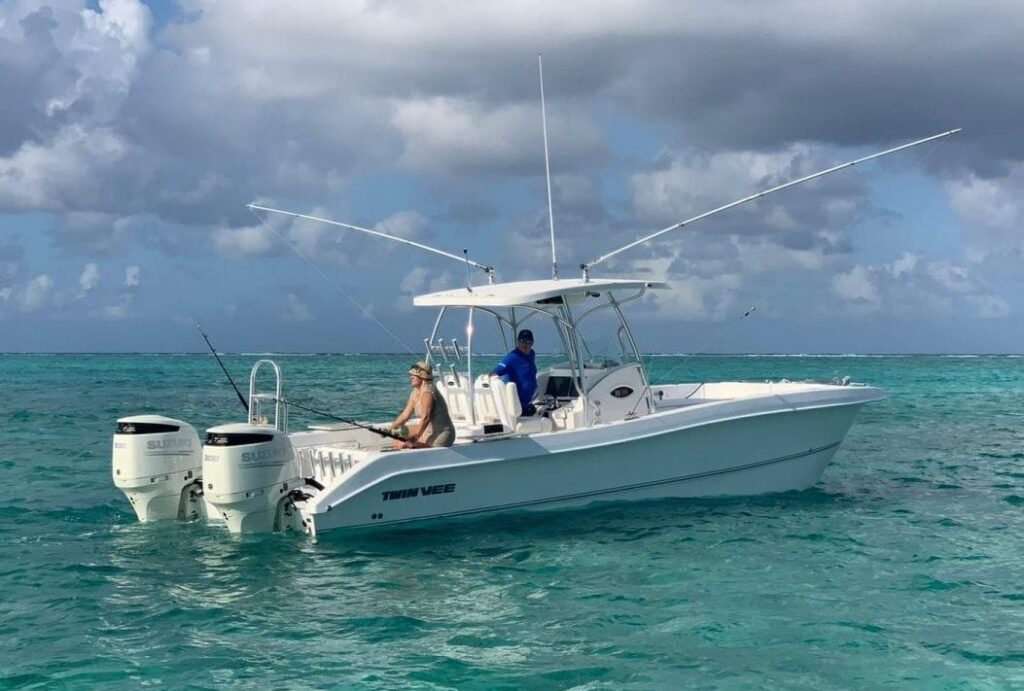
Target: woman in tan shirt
column 435, row 426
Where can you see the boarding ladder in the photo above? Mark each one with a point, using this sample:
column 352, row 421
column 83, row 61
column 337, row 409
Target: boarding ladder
column 257, row 399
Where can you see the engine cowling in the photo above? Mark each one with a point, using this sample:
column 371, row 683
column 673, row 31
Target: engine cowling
column 157, row 463
column 248, row 473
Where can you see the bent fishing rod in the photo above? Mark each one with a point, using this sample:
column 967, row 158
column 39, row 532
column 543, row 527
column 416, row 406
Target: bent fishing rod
column 245, row 404
column 241, row 398
column 360, row 425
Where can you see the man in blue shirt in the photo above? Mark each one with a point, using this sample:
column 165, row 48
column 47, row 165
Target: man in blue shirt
column 520, row 368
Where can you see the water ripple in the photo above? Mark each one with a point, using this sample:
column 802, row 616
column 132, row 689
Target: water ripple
column 901, row 569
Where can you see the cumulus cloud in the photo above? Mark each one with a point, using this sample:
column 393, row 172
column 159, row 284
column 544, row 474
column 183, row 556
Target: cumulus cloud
column 691, row 183
column 435, row 94
column 89, row 279
column 464, row 136
column 12, row 258
column 118, row 310
column 414, row 281
column 419, row 280
column 857, row 289
column 70, row 172
column 404, row 224
column 913, row 288
column 37, row 294
column 94, row 232
column 132, row 133
column 254, row 241
column 324, row 243
column 991, row 209
column 132, row 275
column 699, row 298
column 61, row 149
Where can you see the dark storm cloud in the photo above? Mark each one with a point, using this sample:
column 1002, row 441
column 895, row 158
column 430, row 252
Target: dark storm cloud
column 905, row 74
column 114, row 123
column 257, row 98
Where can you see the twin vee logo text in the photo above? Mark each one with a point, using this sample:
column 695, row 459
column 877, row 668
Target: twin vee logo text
column 391, row 495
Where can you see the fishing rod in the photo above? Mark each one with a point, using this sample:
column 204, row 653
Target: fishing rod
column 360, row 425
column 241, row 398
column 294, row 405
column 724, row 330
column 327, row 277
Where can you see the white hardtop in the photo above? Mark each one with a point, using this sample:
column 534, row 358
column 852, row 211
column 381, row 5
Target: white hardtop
column 531, row 292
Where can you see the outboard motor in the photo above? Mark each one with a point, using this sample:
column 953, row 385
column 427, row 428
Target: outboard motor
column 157, row 463
column 249, row 469
column 249, row 472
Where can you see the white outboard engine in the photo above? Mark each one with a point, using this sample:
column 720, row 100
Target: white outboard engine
column 249, row 472
column 157, row 463
column 249, row 469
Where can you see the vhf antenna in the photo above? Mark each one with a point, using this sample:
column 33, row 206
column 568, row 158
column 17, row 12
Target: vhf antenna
column 547, row 168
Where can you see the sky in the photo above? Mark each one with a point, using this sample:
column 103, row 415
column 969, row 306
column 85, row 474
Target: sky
column 132, row 136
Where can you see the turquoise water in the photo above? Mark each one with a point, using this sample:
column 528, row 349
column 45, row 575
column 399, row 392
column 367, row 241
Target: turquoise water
column 903, row 568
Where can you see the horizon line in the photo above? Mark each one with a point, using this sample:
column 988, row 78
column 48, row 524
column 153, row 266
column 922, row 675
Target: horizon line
column 397, row 353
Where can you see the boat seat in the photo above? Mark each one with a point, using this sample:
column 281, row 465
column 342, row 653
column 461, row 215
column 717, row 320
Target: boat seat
column 534, row 424
column 510, row 393
column 510, row 410
column 455, row 392
column 485, row 404
column 506, row 403
column 525, row 424
column 494, row 403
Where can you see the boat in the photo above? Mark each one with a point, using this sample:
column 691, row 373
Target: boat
column 601, row 432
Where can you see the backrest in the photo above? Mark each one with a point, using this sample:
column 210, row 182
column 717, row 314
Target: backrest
column 456, row 394
column 515, row 408
column 483, row 400
column 499, row 395
column 494, row 401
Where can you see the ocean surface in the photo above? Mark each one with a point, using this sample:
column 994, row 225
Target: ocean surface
column 903, row 568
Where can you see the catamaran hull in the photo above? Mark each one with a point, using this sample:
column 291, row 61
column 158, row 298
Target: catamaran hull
column 654, row 457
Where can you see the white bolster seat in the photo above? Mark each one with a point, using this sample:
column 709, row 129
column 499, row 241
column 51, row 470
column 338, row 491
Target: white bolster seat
column 513, row 410
column 485, row 407
column 494, row 402
column 456, row 394
column 511, row 395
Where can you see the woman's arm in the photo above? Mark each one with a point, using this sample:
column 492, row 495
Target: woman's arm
column 404, row 416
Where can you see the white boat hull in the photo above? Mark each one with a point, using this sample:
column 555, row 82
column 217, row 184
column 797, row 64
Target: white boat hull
column 741, row 447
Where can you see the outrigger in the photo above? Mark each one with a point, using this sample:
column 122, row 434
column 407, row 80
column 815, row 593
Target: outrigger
column 602, row 430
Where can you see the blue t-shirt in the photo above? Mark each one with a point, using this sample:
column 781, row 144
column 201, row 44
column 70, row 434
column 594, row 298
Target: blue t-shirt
column 522, row 371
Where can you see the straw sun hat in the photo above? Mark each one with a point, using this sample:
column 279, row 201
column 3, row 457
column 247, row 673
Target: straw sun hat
column 423, row 371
